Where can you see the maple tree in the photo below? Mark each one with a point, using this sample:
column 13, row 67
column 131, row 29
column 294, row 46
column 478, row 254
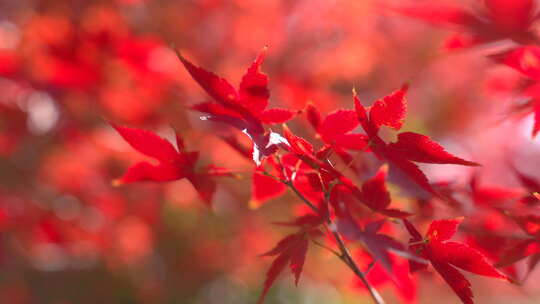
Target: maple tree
column 159, row 152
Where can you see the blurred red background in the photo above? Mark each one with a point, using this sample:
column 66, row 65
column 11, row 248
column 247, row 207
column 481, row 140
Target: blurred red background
column 67, row 68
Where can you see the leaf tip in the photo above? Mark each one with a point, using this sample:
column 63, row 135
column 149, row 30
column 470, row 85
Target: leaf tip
column 405, row 87
column 178, row 53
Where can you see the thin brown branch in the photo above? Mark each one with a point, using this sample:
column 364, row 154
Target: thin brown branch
column 344, row 253
column 352, row 265
column 327, row 248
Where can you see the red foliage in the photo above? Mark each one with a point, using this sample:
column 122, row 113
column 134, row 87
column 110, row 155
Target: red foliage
column 444, row 255
column 291, row 140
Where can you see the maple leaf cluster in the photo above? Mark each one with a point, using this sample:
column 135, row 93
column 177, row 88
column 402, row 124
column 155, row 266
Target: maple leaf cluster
column 108, row 133
column 310, row 173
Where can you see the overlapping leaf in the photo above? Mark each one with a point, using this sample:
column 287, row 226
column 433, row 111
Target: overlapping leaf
column 526, row 60
column 445, row 256
column 335, row 131
column 292, row 249
column 244, row 109
column 377, row 244
column 171, row 164
column 410, row 147
column 496, row 20
column 528, row 247
column 264, row 188
column 376, row 195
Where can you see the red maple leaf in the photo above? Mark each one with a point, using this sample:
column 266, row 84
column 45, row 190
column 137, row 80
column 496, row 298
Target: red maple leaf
column 377, row 244
column 264, row 188
column 335, row 128
column 304, row 150
column 531, row 185
column 445, row 256
column 245, row 108
column 495, row 20
column 492, row 196
column 373, row 193
column 293, row 248
column 527, row 247
column 376, row 195
column 335, row 131
column 404, row 284
column 526, row 60
column 268, row 178
column 172, row 164
column 410, row 147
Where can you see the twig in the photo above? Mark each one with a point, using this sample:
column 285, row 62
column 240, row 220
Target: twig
column 327, row 248
column 344, row 254
column 352, row 264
